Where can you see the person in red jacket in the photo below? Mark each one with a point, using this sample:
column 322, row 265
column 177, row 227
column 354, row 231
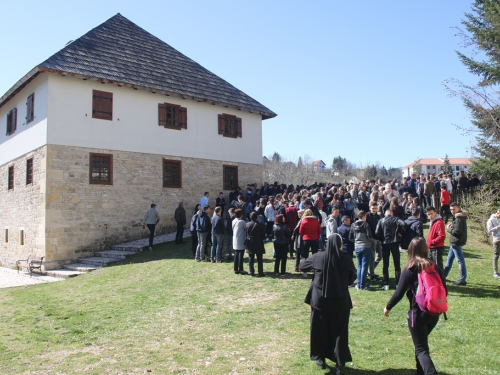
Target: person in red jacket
column 436, row 236
column 445, row 204
column 309, row 231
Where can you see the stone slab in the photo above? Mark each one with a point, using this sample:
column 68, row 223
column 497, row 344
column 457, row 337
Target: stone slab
column 10, row 278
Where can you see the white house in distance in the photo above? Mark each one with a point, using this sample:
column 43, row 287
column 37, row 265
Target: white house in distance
column 113, row 122
column 318, row 165
column 433, row 166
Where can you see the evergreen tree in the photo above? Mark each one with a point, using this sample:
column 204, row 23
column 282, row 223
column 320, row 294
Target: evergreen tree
column 276, row 157
column 417, row 167
column 447, row 169
column 483, row 33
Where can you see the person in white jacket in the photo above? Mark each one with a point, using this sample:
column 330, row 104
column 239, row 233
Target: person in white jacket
column 493, row 226
column 239, row 235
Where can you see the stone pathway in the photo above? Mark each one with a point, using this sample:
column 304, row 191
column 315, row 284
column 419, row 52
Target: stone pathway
column 10, row 278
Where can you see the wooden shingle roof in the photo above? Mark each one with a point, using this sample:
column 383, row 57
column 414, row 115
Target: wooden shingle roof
column 118, row 51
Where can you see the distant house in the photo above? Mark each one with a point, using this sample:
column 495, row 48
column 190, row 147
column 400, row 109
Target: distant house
column 115, row 121
column 434, row 166
column 318, row 165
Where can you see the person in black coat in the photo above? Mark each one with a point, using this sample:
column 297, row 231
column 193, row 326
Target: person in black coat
column 420, row 323
column 255, row 248
column 280, row 240
column 414, row 228
column 330, row 303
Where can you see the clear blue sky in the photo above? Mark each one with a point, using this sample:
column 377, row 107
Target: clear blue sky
column 360, row 79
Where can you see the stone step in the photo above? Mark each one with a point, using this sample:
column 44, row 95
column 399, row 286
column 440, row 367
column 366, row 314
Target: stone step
column 63, row 273
column 113, row 254
column 97, row 261
column 128, row 248
column 80, row 267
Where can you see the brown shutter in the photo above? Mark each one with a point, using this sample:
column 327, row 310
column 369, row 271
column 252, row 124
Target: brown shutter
column 238, row 127
column 9, row 122
column 14, row 120
column 102, row 105
column 221, row 124
column 183, row 118
column 162, row 114
column 30, row 108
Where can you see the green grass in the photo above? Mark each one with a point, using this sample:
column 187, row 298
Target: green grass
column 164, row 313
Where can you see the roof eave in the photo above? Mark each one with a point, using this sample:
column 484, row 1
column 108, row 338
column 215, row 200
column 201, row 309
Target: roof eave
column 19, row 85
column 265, row 115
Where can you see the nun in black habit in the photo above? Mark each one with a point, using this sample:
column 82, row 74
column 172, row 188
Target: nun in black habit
column 330, row 303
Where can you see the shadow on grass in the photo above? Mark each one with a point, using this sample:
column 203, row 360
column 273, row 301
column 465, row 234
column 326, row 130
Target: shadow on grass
column 475, row 290
column 389, row 371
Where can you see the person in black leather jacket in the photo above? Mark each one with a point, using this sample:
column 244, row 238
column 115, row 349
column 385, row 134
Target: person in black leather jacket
column 390, row 230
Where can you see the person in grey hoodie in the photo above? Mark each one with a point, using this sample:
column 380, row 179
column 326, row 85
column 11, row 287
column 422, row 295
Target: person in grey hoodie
column 493, row 226
column 151, row 219
column 361, row 235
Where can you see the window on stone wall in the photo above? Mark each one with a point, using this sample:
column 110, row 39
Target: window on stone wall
column 230, row 126
column 101, row 169
column 30, row 108
column 29, row 171
column 21, row 237
column 172, row 173
column 11, row 121
column 230, row 176
column 6, row 238
column 102, row 105
column 11, row 178
column 172, row 116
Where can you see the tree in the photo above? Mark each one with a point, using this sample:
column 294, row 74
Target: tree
column 417, row 167
column 370, row 172
column 482, row 32
column 276, row 157
column 447, row 169
column 383, row 171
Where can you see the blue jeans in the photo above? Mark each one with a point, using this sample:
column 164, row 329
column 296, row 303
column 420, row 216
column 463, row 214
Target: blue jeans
column 456, row 252
column 364, row 256
column 216, row 246
column 230, row 245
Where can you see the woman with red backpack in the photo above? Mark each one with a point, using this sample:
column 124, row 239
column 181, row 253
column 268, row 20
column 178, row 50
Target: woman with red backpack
column 420, row 322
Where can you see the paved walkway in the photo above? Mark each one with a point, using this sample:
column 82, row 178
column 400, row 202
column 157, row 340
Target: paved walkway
column 10, row 278
column 168, row 237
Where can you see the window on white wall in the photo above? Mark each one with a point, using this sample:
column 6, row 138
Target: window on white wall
column 11, row 121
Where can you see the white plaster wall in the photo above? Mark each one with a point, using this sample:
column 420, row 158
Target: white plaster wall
column 30, row 136
column 135, row 124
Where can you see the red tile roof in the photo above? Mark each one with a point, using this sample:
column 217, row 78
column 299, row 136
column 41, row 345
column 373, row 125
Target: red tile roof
column 440, row 161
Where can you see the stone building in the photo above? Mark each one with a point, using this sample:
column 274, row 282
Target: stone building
column 436, row 166
column 114, row 121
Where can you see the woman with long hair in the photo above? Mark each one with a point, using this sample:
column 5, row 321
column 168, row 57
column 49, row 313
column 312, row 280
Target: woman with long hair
column 396, row 208
column 420, row 323
column 330, row 303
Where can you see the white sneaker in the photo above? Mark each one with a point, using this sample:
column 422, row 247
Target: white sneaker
column 385, row 287
column 496, row 274
column 150, row 249
column 357, row 287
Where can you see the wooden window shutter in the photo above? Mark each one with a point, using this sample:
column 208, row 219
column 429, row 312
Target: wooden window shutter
column 221, row 124
column 162, row 114
column 183, row 118
column 14, row 120
column 239, row 132
column 30, row 108
column 102, row 105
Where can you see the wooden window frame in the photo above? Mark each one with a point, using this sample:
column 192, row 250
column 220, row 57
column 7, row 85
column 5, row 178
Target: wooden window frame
column 233, row 167
column 223, row 119
column 30, row 108
column 99, row 110
column 163, row 120
column 11, row 121
column 22, row 237
column 10, row 178
column 179, row 166
column 29, row 171
column 6, row 235
column 110, row 172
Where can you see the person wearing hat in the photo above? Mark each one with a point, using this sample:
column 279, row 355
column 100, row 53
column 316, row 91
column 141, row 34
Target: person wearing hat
column 151, row 219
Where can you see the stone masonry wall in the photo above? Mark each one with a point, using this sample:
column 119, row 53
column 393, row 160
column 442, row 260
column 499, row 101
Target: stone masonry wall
column 22, row 209
column 82, row 217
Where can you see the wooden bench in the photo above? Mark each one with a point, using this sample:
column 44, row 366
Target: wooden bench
column 34, row 262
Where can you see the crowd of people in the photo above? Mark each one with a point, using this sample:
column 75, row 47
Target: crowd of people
column 323, row 227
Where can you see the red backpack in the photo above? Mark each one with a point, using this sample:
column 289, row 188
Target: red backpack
column 431, row 294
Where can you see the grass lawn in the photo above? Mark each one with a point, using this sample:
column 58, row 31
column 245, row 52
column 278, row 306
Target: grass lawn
column 160, row 312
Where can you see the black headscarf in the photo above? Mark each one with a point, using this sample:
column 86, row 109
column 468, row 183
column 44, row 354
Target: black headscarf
column 334, row 284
